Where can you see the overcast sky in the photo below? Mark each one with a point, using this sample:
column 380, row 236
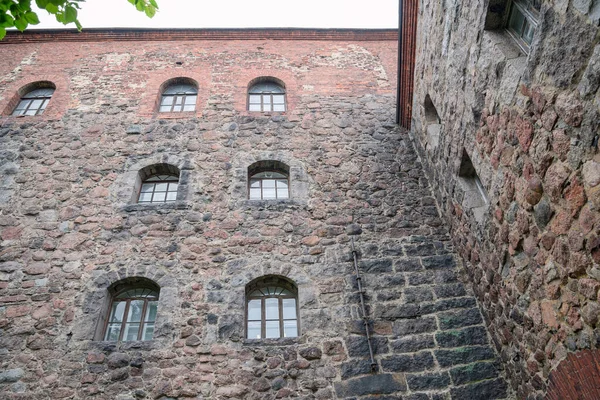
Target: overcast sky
column 237, row 14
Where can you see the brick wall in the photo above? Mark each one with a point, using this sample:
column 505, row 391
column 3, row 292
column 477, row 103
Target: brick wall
column 70, row 228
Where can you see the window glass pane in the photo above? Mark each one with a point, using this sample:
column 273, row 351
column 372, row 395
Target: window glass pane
column 255, row 183
column 528, row 33
column 112, row 332
column 190, row 100
column 254, row 313
column 278, row 99
column 31, row 111
column 176, row 108
column 266, row 107
column 255, row 98
column 165, row 108
column 159, row 197
column 148, row 331
column 171, row 196
column 180, row 88
column 145, row 197
column 272, row 308
column 173, row 186
column 116, row 314
column 178, row 99
column 35, row 104
column 269, row 193
column 44, row 104
column 42, row 92
column 266, row 87
column 131, row 331
column 269, row 174
column 255, row 194
column 278, row 107
column 254, row 107
column 151, row 311
column 135, row 310
column 516, row 20
column 167, row 100
column 289, row 308
column 254, row 330
column 272, row 329
column 268, row 183
column 290, row 328
column 147, row 187
column 161, row 187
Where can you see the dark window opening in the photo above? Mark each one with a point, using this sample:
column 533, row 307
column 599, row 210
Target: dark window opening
column 475, row 193
column 431, row 114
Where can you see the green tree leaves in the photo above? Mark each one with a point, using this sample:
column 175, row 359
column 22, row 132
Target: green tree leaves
column 19, row 13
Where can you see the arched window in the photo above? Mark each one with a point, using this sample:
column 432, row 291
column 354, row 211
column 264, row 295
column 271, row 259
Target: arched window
column 159, row 184
column 271, row 308
column 268, row 180
column 132, row 313
column 179, row 96
column 34, row 102
column 266, row 95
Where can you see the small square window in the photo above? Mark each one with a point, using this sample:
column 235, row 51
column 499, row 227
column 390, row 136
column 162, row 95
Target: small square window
column 523, row 21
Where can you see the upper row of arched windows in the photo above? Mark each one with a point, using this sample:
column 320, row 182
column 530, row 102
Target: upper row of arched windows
column 178, row 95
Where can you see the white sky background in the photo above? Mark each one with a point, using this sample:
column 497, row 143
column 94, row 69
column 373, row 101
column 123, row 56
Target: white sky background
column 235, row 14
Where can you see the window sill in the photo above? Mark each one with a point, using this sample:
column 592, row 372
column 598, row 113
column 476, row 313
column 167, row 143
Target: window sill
column 176, row 205
column 136, row 344
column 272, row 342
column 279, row 204
column 178, row 115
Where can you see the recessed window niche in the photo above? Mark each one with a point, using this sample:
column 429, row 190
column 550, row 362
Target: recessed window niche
column 475, row 195
column 433, row 124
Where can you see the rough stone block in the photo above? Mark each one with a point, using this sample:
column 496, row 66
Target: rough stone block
column 429, row 381
column 463, row 355
column 485, row 390
column 372, row 385
column 476, row 335
column 459, row 319
column 408, row 363
column 412, row 344
column 474, row 372
column 414, row 326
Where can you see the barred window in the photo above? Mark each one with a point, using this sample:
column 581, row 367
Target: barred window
column 268, row 180
column 266, row 96
column 159, row 189
column 132, row 315
column 179, row 98
column 271, row 308
column 34, row 102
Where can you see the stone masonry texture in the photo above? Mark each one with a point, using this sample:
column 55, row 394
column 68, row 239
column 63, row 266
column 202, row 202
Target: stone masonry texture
column 70, row 228
column 529, row 124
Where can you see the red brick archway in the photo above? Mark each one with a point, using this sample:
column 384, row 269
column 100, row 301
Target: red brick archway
column 576, row 378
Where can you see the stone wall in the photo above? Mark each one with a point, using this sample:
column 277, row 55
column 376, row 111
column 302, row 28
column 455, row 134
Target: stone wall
column 70, row 229
column 528, row 126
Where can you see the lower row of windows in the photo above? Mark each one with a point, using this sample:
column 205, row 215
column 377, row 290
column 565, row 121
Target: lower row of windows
column 271, row 311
